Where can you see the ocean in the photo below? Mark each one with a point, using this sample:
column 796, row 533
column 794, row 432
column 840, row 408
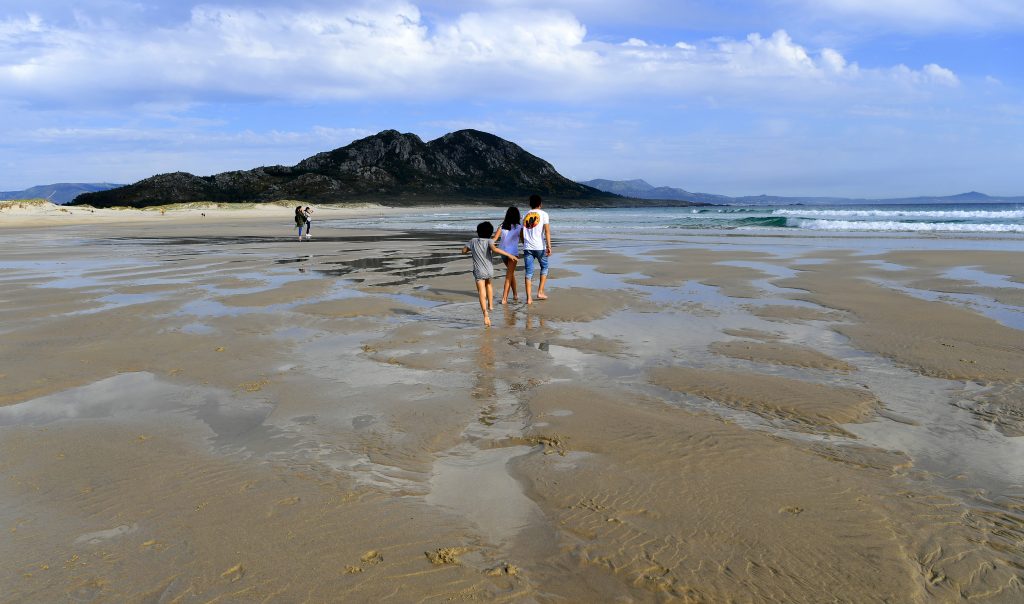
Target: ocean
column 951, row 219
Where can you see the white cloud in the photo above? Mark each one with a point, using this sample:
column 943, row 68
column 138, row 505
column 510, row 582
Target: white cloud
column 10, row 28
column 930, row 74
column 832, row 60
column 776, row 55
column 940, row 75
column 545, row 41
column 388, row 51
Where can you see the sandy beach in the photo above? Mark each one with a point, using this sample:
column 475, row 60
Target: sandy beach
column 196, row 407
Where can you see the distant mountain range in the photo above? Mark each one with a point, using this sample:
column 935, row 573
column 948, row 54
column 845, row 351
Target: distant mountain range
column 640, row 189
column 390, row 167
column 61, row 192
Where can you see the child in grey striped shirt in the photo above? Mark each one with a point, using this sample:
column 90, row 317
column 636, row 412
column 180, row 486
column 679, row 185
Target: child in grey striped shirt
column 482, row 247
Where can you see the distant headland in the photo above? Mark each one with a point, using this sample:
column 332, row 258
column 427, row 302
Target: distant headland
column 467, row 166
column 61, row 192
column 640, row 189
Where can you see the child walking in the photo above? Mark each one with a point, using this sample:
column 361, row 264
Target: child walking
column 482, row 248
column 509, row 234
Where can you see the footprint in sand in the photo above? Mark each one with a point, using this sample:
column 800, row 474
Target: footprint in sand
column 446, row 555
column 234, row 573
column 369, row 558
column 552, row 444
column 372, row 557
column 503, row 570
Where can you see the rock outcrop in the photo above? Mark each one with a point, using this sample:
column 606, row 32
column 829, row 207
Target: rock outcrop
column 390, row 167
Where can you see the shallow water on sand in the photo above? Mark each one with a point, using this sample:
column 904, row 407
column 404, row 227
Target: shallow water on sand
column 984, row 453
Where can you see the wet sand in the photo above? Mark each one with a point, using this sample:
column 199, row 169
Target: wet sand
column 198, row 410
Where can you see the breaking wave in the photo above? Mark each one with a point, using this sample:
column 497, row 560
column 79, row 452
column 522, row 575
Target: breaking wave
column 897, row 226
column 929, row 214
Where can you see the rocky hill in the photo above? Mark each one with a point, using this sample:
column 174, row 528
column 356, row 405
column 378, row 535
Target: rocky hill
column 390, row 167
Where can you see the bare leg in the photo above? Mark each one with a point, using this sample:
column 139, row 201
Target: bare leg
column 529, row 291
column 540, row 289
column 490, row 294
column 481, row 290
column 505, row 286
column 512, row 278
column 510, row 282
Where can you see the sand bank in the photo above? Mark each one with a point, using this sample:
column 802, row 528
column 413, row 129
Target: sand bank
column 817, row 405
column 779, row 354
column 39, row 212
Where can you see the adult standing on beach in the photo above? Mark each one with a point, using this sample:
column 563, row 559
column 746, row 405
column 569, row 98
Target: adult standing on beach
column 300, row 220
column 536, row 246
column 308, row 213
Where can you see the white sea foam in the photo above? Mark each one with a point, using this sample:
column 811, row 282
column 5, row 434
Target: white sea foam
column 892, row 225
column 604, row 221
column 935, row 214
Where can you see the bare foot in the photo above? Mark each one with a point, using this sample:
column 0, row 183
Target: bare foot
column 487, row 320
column 541, row 297
column 529, row 301
column 503, row 302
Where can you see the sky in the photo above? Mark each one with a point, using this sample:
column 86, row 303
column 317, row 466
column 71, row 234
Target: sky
column 860, row 98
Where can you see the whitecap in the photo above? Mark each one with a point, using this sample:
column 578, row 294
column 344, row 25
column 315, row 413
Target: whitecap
column 892, row 225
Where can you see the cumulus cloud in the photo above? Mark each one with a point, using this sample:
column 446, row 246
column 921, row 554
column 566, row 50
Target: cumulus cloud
column 931, row 74
column 833, row 61
column 390, row 50
column 940, row 75
column 775, row 55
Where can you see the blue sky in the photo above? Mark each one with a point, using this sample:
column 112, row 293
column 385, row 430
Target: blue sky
column 869, row 98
